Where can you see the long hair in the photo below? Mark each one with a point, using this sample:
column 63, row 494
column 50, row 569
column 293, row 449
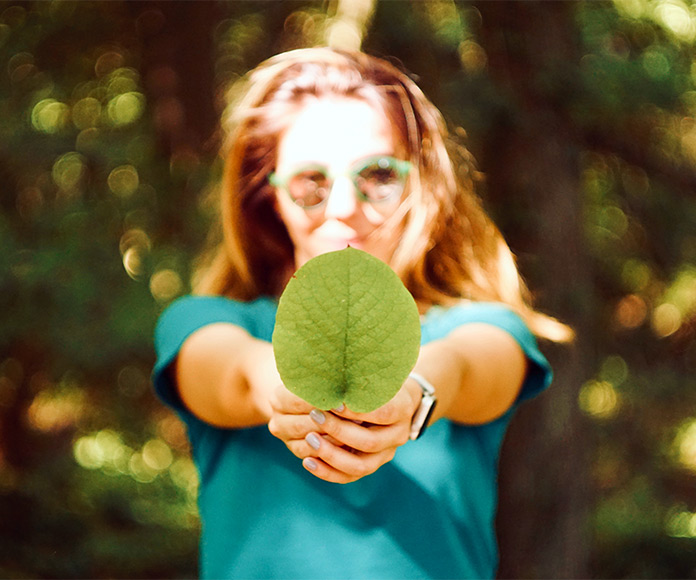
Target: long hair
column 449, row 249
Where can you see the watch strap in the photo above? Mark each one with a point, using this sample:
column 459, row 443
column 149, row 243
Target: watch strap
column 425, row 409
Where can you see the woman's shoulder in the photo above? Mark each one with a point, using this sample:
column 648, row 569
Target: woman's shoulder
column 192, row 303
column 189, row 313
column 446, row 318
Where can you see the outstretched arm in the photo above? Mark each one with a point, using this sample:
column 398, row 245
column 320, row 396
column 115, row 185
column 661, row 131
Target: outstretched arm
column 226, row 377
column 477, row 370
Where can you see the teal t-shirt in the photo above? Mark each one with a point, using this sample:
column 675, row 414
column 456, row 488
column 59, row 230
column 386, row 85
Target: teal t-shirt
column 429, row 513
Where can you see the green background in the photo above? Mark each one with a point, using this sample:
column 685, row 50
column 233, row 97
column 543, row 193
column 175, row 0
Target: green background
column 582, row 118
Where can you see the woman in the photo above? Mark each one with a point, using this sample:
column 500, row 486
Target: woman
column 329, row 149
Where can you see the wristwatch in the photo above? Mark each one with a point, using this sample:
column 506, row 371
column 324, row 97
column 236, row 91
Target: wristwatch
column 425, row 409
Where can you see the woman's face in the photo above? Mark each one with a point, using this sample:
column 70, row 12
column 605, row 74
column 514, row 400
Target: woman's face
column 334, row 136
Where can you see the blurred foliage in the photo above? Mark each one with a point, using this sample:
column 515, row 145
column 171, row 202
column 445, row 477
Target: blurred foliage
column 106, row 159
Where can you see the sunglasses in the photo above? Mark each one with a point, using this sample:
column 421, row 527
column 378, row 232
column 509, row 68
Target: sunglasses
column 376, row 180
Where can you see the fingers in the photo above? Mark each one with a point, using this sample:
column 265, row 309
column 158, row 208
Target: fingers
column 365, row 437
column 341, row 451
column 294, row 429
column 340, row 465
column 290, row 415
column 293, row 419
column 290, row 427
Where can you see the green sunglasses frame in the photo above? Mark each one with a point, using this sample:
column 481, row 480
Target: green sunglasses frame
column 402, row 168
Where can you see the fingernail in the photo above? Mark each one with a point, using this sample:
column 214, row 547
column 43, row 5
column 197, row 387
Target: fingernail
column 340, row 408
column 313, row 441
column 310, row 464
column 317, row 416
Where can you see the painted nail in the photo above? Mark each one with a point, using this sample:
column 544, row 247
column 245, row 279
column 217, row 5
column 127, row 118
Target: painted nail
column 317, row 416
column 340, row 408
column 310, row 464
column 313, row 441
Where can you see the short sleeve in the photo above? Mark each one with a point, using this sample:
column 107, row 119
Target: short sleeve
column 187, row 315
column 441, row 322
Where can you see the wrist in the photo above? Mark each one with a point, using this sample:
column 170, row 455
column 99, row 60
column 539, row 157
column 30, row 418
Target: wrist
column 260, row 375
column 415, row 393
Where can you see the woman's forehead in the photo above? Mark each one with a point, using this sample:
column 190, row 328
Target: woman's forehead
column 335, row 129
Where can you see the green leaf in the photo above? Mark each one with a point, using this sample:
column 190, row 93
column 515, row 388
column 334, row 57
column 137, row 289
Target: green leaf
column 347, row 331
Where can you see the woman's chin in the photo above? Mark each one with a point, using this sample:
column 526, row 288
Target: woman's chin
column 333, row 245
column 378, row 252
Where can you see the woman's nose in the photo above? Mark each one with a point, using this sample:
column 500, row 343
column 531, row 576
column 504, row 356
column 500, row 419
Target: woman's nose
column 342, row 202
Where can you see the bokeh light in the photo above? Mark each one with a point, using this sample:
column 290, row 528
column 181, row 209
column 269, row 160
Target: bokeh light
column 632, row 8
column 599, row 399
column 88, row 140
column 135, row 246
column 444, row 18
column 125, row 109
column 165, row 285
column 107, row 62
column 86, row 113
column 677, row 18
column 121, row 81
column 50, row 116
column 157, row 455
column 347, row 27
column 473, row 56
column 123, row 181
column 134, row 262
column 68, row 172
column 134, row 237
column 631, row 311
column 614, row 370
column 656, row 64
column 681, row 523
column 666, row 320
column 613, row 218
column 56, row 409
column 684, row 444
column 184, row 474
column 140, row 470
column 20, row 66
column 106, row 451
column 682, row 291
column 344, row 34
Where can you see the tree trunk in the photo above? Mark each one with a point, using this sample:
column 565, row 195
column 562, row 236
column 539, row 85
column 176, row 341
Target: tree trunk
column 533, row 172
column 177, row 51
column 178, row 69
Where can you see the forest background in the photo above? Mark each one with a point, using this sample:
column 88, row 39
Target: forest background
column 582, row 116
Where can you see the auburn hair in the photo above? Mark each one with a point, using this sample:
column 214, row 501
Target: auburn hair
column 449, row 251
